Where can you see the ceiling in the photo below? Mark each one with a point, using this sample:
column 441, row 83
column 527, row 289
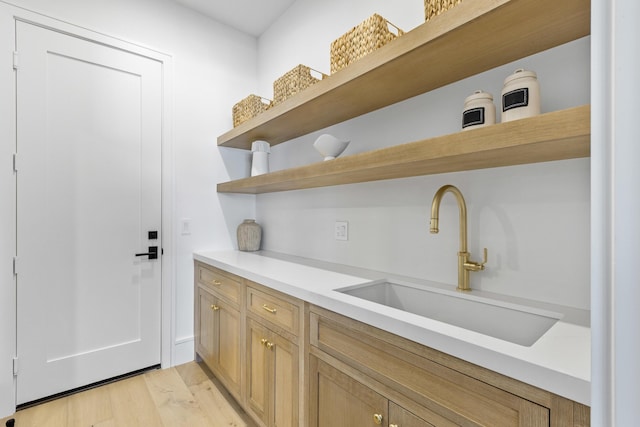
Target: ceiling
column 250, row 16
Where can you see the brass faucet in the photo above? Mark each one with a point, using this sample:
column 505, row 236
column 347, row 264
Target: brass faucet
column 465, row 265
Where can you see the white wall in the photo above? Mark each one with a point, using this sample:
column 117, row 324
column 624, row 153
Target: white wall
column 534, row 219
column 615, row 209
column 214, row 67
column 7, row 220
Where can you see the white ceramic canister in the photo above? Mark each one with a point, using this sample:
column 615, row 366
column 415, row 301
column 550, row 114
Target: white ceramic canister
column 479, row 110
column 260, row 157
column 520, row 96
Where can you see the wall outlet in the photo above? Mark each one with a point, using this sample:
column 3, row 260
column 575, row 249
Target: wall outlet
column 342, row 230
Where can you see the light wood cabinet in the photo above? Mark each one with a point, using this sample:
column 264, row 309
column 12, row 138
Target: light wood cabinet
column 272, row 376
column 218, row 326
column 423, row 386
column 289, row 364
column 344, row 402
column 204, row 333
column 274, row 357
column 277, row 310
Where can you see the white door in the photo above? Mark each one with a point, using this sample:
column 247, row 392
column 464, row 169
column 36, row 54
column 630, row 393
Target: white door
column 89, row 174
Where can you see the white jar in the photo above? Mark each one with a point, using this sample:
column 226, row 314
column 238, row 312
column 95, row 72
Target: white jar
column 260, row 157
column 520, row 96
column 479, row 110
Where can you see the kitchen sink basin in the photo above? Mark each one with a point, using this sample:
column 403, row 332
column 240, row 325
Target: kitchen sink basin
column 510, row 322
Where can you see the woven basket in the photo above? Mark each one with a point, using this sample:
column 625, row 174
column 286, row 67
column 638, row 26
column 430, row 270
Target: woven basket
column 294, row 81
column 436, row 7
column 248, row 108
column 371, row 34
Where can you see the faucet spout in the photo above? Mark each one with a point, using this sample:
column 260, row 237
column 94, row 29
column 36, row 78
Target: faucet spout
column 465, row 265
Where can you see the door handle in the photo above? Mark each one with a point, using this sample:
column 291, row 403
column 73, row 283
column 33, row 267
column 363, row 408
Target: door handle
column 152, row 254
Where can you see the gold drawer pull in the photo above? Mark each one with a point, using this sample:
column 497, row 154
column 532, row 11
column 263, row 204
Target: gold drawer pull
column 393, row 425
column 217, row 282
column 377, row 418
column 214, row 307
column 269, row 309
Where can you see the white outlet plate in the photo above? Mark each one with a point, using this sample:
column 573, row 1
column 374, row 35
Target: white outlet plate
column 342, row 230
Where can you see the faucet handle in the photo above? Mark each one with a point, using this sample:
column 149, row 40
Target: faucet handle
column 476, row 266
column 484, row 258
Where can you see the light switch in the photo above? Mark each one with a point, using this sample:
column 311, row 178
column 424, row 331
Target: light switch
column 185, row 226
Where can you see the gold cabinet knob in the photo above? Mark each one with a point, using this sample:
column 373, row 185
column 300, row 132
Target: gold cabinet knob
column 214, row 307
column 393, row 425
column 270, row 345
column 264, row 341
column 377, row 418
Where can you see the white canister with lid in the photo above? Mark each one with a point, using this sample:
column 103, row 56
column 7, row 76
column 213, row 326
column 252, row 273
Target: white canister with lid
column 520, row 95
column 479, row 110
column 260, row 158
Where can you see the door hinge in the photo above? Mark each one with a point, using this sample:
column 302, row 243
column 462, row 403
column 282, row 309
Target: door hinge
column 15, row 162
column 16, row 60
column 16, row 265
column 15, row 366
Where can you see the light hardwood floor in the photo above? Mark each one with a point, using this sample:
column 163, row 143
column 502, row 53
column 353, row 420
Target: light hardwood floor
column 186, row 395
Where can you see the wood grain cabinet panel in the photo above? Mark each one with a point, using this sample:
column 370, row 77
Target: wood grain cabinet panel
column 278, row 310
column 342, row 401
column 223, row 283
column 400, row 417
column 218, row 325
column 204, row 334
column 272, row 376
column 425, row 387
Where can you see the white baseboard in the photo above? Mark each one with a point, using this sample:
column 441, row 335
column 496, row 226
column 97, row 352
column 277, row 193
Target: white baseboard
column 183, row 351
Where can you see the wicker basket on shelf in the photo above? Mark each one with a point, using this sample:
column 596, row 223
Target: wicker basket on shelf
column 436, row 7
column 248, row 108
column 371, row 34
column 294, row 81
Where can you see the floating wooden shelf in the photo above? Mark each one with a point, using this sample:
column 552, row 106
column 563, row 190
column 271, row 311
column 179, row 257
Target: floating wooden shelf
column 473, row 37
column 559, row 135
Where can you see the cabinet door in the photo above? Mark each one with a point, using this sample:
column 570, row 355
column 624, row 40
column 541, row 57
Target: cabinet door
column 227, row 364
column 217, row 333
column 204, row 326
column 400, row 417
column 258, row 373
column 341, row 401
column 285, row 362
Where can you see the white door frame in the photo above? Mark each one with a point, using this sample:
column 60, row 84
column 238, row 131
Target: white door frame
column 8, row 14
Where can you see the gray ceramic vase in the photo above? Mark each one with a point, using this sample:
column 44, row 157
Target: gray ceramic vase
column 249, row 235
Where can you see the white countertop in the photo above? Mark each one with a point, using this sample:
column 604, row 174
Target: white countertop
column 560, row 361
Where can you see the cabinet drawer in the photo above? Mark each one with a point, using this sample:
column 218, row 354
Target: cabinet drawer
column 275, row 309
column 223, row 284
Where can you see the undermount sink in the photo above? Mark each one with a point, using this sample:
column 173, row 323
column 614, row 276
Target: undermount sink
column 510, row 322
